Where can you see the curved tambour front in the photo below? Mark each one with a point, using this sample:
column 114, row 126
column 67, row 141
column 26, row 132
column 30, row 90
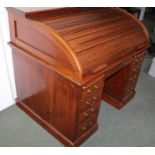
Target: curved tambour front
column 84, row 41
column 99, row 36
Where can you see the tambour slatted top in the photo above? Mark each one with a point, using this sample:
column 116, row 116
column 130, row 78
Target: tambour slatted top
column 94, row 33
column 95, row 37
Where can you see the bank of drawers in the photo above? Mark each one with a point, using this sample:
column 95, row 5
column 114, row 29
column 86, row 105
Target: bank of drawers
column 135, row 72
column 89, row 107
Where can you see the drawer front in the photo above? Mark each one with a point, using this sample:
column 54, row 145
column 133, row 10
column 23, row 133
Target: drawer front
column 86, row 125
column 88, row 112
column 92, row 90
column 90, row 101
column 138, row 58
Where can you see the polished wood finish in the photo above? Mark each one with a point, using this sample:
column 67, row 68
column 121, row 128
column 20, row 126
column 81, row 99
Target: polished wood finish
column 67, row 59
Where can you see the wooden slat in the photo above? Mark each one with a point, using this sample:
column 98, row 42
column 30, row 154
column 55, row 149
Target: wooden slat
column 86, row 42
column 82, row 20
column 92, row 28
column 102, row 52
column 87, row 25
column 76, row 16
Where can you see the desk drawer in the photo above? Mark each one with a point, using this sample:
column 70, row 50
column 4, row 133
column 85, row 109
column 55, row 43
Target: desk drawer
column 88, row 112
column 86, row 125
column 92, row 90
column 138, row 58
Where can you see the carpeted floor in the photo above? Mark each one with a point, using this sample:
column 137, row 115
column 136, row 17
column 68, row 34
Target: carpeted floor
column 134, row 125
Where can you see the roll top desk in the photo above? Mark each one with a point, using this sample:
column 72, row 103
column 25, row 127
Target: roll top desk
column 66, row 60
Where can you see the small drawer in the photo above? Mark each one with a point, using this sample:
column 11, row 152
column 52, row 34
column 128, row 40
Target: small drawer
column 91, row 100
column 134, row 76
column 86, row 125
column 131, row 89
column 93, row 89
column 138, row 58
column 88, row 112
column 136, row 69
column 137, row 61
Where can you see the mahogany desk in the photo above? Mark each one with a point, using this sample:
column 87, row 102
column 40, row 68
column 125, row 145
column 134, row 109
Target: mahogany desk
column 67, row 59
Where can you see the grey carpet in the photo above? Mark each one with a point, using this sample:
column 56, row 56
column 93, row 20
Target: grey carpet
column 134, row 125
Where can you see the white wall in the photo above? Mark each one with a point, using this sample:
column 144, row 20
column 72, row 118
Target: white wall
column 142, row 13
column 7, row 82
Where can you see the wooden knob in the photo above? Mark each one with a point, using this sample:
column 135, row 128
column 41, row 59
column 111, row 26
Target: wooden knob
column 93, row 102
column 96, row 87
column 92, row 109
column 90, row 91
column 88, row 103
column 133, row 78
column 136, row 60
column 94, row 98
column 131, row 88
column 86, row 114
column 135, row 69
column 84, row 128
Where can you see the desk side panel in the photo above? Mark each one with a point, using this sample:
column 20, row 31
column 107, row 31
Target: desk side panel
column 43, row 43
column 48, row 94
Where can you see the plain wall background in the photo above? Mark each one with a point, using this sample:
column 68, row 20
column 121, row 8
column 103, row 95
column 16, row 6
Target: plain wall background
column 7, row 82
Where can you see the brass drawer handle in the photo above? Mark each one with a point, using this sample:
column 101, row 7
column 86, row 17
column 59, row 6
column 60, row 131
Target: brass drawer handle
column 90, row 103
column 87, row 125
column 90, row 91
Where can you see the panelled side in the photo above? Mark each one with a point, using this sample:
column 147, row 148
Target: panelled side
column 47, row 94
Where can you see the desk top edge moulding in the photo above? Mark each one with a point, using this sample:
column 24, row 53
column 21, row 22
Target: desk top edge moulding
column 67, row 59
